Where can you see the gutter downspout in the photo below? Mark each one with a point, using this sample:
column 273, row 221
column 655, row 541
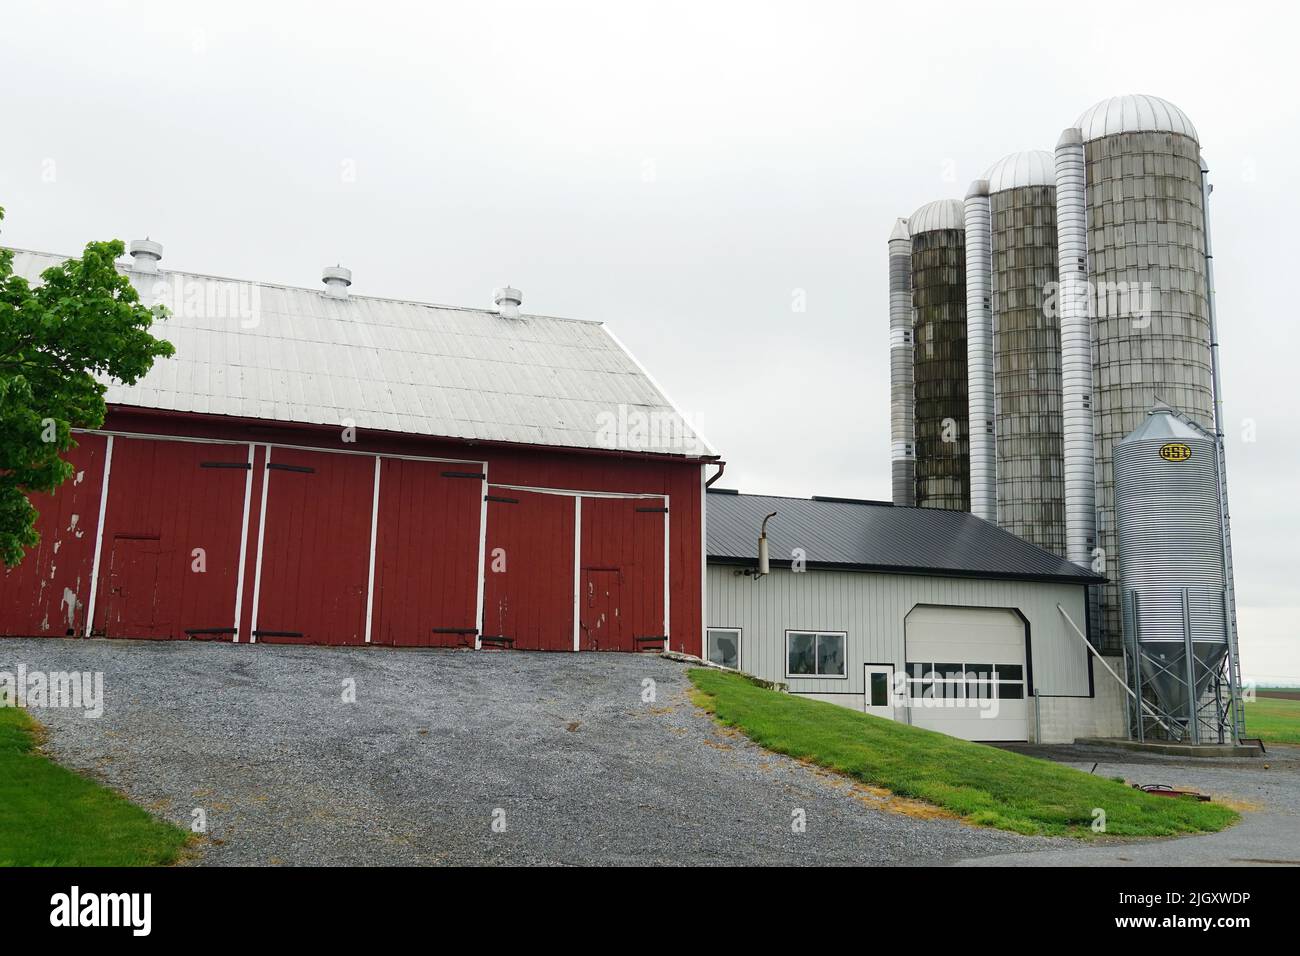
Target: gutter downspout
column 1038, row 717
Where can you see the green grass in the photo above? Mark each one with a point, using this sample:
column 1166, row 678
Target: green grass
column 50, row 816
column 980, row 784
column 1274, row 720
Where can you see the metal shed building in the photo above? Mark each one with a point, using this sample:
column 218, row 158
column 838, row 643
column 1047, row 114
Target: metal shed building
column 889, row 609
column 318, row 467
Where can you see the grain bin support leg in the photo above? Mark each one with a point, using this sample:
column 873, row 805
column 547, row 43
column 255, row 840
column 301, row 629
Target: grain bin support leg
column 1097, row 654
column 1189, row 661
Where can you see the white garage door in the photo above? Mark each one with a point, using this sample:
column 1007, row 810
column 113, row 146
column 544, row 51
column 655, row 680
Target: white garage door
column 966, row 672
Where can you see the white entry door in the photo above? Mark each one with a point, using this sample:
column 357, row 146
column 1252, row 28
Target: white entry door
column 880, row 690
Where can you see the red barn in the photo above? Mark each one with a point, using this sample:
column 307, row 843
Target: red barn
column 325, row 468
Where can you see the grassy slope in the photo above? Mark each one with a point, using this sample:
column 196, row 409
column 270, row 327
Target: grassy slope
column 1273, row 720
column 983, row 785
column 50, row 816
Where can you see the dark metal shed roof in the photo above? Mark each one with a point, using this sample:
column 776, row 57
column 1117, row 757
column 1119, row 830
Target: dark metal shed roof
column 875, row 536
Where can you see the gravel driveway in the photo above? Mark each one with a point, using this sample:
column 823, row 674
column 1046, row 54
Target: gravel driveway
column 560, row 748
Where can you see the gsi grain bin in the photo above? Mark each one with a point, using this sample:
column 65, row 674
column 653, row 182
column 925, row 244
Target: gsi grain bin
column 1172, row 575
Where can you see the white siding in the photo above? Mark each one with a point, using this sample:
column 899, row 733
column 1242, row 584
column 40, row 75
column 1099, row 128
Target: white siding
column 872, row 609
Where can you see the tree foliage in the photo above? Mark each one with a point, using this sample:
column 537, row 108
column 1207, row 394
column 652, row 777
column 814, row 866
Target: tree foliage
column 59, row 341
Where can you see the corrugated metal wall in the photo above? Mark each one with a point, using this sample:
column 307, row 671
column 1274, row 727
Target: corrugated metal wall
column 872, row 608
column 1027, row 367
column 939, row 364
column 1145, row 225
column 902, row 452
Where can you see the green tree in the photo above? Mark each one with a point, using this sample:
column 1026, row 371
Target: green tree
column 84, row 320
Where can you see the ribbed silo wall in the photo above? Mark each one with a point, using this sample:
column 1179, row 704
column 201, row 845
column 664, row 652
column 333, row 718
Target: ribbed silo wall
column 939, row 369
column 1145, row 225
column 902, row 454
column 1027, row 366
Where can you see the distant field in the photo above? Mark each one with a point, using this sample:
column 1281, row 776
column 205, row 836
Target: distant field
column 1274, row 719
column 1284, row 693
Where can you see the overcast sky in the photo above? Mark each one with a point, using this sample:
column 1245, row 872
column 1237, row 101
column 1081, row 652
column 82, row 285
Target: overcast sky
column 684, row 171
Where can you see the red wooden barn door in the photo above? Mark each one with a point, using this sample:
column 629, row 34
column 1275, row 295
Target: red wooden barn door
column 132, row 606
column 528, row 570
column 426, row 554
column 170, row 555
column 47, row 593
column 315, row 559
column 622, row 594
column 600, row 604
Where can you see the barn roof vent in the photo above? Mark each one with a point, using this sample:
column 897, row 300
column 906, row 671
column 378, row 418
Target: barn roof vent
column 145, row 254
column 336, row 279
column 508, row 300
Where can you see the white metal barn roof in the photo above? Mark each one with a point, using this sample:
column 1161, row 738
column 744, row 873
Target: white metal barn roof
column 302, row 355
column 1135, row 113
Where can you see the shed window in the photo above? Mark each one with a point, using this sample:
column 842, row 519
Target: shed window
column 724, row 647
column 969, row 681
column 815, row 654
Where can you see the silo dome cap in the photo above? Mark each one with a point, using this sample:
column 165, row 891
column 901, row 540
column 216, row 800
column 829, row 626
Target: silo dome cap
column 1032, row 167
column 937, row 215
column 900, row 231
column 1135, row 113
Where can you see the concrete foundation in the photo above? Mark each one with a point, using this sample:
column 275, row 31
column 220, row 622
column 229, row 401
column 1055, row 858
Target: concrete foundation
column 1169, row 748
column 1060, row 720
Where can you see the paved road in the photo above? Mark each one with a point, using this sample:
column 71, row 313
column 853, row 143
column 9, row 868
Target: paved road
column 1266, row 790
column 560, row 747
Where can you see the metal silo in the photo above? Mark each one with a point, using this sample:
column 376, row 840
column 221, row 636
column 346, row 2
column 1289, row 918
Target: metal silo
column 1026, row 348
column 1146, row 269
column 939, row 355
column 902, row 455
column 979, row 353
column 1172, row 577
column 1078, row 446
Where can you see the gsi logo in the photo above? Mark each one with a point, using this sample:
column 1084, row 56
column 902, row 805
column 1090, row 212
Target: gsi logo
column 1175, row 451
